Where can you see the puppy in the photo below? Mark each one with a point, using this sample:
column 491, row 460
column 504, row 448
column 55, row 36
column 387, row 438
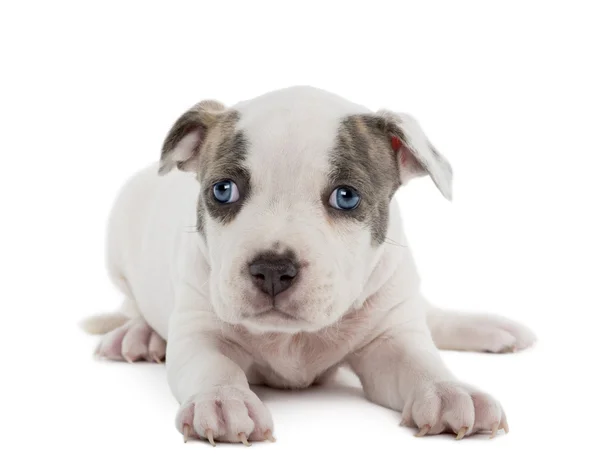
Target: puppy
column 264, row 249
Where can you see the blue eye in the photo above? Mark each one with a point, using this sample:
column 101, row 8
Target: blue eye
column 344, row 198
column 226, row 191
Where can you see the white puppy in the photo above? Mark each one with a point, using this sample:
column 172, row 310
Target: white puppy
column 272, row 257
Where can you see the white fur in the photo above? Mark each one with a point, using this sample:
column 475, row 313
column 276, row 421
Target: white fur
column 357, row 303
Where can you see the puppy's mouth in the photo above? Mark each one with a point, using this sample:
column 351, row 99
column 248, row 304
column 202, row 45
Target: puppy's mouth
column 275, row 313
column 276, row 320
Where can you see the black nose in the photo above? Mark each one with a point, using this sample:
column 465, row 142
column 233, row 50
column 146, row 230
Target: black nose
column 273, row 275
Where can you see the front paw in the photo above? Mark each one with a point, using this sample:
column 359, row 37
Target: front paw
column 453, row 407
column 225, row 413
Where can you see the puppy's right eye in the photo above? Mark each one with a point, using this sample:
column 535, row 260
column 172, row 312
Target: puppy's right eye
column 226, row 191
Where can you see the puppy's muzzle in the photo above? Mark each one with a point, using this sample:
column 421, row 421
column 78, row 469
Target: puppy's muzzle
column 274, row 274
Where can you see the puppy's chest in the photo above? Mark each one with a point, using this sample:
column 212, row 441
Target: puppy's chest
column 293, row 361
column 299, row 360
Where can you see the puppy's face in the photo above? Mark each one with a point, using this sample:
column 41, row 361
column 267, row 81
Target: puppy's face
column 294, row 204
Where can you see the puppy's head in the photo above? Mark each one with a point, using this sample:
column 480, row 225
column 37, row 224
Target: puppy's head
column 294, row 203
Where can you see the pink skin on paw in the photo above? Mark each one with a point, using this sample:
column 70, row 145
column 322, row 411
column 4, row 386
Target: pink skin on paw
column 110, row 345
column 133, row 341
column 157, row 348
column 225, row 413
column 452, row 407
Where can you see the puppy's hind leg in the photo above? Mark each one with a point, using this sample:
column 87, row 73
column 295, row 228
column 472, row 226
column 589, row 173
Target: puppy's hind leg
column 133, row 341
column 127, row 336
column 455, row 330
column 129, row 339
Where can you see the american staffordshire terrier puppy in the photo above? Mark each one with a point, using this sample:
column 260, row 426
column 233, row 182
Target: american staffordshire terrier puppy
column 266, row 247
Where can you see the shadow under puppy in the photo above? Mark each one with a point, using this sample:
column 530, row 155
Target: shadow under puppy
column 264, row 249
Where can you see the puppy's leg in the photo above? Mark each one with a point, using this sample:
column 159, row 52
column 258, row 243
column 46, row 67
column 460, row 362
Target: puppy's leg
column 127, row 335
column 453, row 330
column 402, row 369
column 215, row 397
column 133, row 341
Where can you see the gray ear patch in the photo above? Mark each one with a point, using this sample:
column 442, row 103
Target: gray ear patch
column 184, row 140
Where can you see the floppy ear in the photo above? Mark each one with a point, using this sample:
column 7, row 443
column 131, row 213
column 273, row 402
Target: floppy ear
column 182, row 144
column 416, row 155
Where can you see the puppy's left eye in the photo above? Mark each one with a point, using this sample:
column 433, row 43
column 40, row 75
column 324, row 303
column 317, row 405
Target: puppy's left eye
column 226, row 191
column 344, row 198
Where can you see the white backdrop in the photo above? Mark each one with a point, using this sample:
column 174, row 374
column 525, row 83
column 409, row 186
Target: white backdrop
column 509, row 93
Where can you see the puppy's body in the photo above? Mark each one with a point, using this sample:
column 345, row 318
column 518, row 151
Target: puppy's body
column 182, row 259
column 152, row 223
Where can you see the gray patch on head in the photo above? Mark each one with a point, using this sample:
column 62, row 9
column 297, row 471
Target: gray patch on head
column 186, row 124
column 196, row 120
column 363, row 159
column 200, row 216
column 222, row 157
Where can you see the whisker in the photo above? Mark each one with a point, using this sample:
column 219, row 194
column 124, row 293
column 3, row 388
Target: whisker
column 190, row 228
column 393, row 242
